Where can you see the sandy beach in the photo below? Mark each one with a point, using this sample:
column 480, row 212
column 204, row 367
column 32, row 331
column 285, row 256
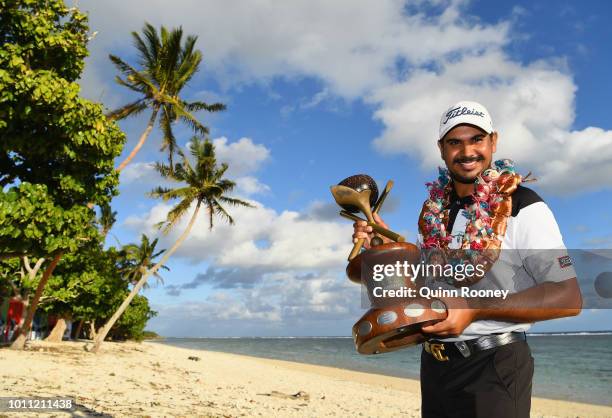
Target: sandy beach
column 150, row 379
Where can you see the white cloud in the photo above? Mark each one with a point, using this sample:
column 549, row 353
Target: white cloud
column 140, row 172
column 249, row 185
column 242, row 156
column 282, row 301
column 532, row 108
column 408, row 65
column 316, row 99
column 292, row 242
column 258, row 40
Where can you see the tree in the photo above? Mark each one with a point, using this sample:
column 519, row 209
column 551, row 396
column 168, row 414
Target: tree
column 107, row 219
column 166, row 66
column 132, row 323
column 64, row 289
column 140, row 258
column 89, row 286
column 57, row 149
column 19, row 280
column 102, row 287
column 76, row 281
column 203, row 184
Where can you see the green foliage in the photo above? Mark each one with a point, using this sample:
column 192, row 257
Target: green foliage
column 32, row 223
column 151, row 335
column 10, row 270
column 204, row 184
column 44, row 35
column 48, row 134
column 133, row 321
column 140, row 258
column 166, row 65
column 107, row 219
column 86, row 285
column 90, row 284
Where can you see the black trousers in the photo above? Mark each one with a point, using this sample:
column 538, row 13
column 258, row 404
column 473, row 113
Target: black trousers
column 494, row 383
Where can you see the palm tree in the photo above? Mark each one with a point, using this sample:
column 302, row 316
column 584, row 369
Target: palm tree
column 138, row 259
column 204, row 185
column 107, row 219
column 166, row 67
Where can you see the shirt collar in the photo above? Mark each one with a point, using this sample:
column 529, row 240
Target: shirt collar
column 455, row 200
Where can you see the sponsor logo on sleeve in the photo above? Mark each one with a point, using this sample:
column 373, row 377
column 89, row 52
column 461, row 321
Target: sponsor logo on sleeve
column 564, row 261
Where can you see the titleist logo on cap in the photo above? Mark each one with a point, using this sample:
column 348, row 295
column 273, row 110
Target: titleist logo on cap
column 460, row 111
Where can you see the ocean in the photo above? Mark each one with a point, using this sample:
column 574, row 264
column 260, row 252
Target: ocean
column 574, row 367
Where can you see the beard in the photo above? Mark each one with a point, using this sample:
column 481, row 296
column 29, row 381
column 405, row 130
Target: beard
column 462, row 179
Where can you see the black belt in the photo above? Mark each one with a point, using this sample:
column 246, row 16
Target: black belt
column 440, row 349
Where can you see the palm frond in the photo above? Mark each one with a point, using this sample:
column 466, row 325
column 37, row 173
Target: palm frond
column 189, row 63
column 185, row 167
column 167, row 194
column 218, row 174
column 188, row 118
column 160, row 191
column 211, row 214
column 176, row 213
column 122, row 66
column 172, row 52
column 235, row 202
column 138, row 258
column 145, row 54
column 197, row 106
column 168, row 141
column 129, row 109
column 138, row 88
column 153, row 41
column 220, row 211
column 165, row 171
column 107, row 218
column 226, row 185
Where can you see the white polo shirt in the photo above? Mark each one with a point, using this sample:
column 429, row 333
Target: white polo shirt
column 532, row 252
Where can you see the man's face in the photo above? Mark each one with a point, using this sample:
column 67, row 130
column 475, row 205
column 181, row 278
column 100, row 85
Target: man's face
column 467, row 152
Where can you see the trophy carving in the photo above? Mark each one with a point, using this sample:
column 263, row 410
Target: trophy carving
column 394, row 322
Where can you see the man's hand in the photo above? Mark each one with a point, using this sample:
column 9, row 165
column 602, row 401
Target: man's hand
column 460, row 315
column 548, row 300
column 363, row 230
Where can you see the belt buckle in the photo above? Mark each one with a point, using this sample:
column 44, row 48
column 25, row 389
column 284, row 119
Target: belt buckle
column 436, row 350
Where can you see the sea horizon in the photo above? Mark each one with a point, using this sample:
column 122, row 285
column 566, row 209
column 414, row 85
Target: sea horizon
column 532, row 334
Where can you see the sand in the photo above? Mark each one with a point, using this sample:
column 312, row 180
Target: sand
column 151, row 379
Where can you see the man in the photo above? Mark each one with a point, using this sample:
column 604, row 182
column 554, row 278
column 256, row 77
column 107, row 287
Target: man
column 477, row 362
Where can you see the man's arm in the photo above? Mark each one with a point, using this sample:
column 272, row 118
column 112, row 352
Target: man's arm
column 547, row 300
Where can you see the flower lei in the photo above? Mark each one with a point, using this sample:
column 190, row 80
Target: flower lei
column 487, row 215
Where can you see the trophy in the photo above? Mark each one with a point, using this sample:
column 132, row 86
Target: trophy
column 392, row 322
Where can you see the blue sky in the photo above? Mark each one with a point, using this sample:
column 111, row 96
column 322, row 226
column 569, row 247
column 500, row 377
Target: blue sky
column 317, row 91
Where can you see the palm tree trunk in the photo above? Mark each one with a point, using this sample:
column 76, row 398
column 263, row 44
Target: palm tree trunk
column 22, row 336
column 92, row 330
column 57, row 333
column 141, row 141
column 107, row 327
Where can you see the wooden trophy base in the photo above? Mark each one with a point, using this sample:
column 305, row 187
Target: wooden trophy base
column 382, row 330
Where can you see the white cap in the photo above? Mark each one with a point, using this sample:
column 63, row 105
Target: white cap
column 471, row 113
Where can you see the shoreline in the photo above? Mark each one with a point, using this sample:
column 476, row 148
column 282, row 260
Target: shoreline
column 292, row 364
column 153, row 379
